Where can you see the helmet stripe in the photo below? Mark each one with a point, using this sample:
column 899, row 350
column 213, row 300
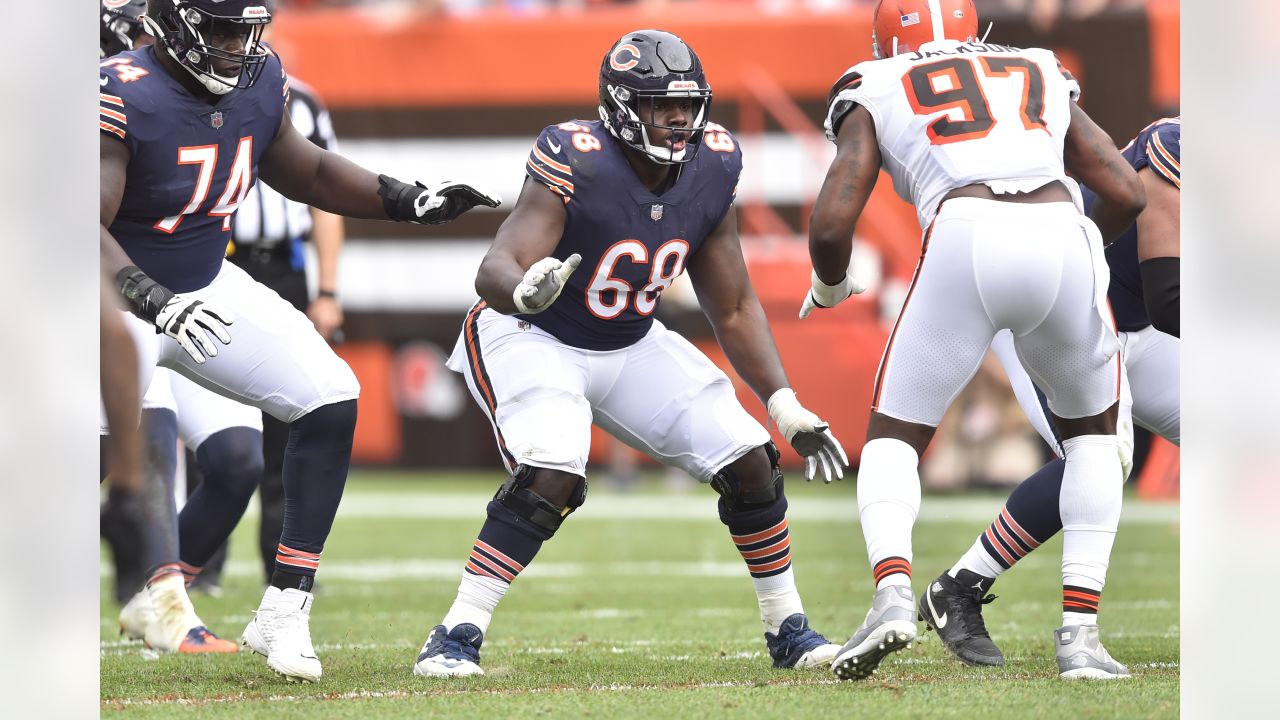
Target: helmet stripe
column 935, row 17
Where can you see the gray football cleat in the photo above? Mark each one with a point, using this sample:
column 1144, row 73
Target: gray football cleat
column 1081, row 655
column 890, row 626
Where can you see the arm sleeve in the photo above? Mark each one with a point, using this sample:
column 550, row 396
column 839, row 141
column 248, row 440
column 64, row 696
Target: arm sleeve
column 844, row 95
column 1161, row 288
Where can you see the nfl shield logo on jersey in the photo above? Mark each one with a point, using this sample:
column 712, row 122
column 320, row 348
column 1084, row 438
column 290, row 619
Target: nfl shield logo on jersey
column 655, row 212
column 215, row 119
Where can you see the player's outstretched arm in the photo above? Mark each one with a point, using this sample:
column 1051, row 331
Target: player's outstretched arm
column 189, row 321
column 719, row 276
column 518, row 274
column 1092, row 157
column 1160, row 252
column 840, row 202
column 304, row 172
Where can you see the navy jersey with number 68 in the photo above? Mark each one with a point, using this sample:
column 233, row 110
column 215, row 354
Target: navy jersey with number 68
column 190, row 162
column 1157, row 147
column 633, row 243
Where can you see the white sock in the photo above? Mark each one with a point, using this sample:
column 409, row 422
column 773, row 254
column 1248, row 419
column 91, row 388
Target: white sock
column 977, row 560
column 478, row 597
column 888, row 502
column 778, row 599
column 1092, row 491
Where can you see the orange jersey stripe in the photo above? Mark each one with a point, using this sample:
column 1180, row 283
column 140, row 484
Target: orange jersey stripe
column 888, row 350
column 551, row 161
column 111, row 128
column 114, row 100
column 562, row 183
column 114, row 115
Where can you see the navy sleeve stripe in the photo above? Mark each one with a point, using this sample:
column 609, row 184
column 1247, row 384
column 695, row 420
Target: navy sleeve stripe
column 548, row 179
column 550, row 162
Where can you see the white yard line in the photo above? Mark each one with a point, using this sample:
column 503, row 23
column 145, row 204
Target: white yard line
column 406, row 694
column 698, row 504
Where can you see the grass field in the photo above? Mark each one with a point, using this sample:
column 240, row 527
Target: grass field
column 641, row 607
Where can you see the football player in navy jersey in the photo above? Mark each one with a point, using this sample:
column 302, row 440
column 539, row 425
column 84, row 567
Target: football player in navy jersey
column 187, row 125
column 611, row 213
column 1144, row 297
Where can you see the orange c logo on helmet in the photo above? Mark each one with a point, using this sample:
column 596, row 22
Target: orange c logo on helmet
column 617, row 63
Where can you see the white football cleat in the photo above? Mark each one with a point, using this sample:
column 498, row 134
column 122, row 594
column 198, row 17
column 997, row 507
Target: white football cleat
column 281, row 631
column 173, row 625
column 136, row 615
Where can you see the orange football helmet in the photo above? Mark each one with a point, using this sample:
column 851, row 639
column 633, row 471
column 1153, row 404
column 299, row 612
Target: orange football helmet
column 900, row 26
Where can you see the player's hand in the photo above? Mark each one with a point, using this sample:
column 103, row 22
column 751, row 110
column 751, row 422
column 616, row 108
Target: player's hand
column 822, row 295
column 810, row 436
column 431, row 204
column 543, row 282
column 191, row 322
column 326, row 314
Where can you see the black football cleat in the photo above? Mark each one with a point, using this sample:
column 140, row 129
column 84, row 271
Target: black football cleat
column 953, row 607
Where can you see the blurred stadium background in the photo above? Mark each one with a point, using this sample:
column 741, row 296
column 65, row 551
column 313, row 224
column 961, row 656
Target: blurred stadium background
column 425, row 88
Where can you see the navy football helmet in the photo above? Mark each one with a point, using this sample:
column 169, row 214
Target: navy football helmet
column 121, row 24
column 641, row 67
column 185, row 29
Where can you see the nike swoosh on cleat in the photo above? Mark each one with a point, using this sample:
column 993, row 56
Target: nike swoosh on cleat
column 939, row 621
column 554, row 147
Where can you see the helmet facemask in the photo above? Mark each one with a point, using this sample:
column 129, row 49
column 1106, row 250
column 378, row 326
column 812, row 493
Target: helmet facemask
column 186, row 32
column 626, row 106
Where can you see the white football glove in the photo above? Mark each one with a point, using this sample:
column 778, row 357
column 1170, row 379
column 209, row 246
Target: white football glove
column 822, row 295
column 543, row 282
column 809, row 436
column 1124, row 445
column 191, row 322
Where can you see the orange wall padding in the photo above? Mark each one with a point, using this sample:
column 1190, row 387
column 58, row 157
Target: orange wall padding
column 1166, row 43
column 355, row 59
column 378, row 437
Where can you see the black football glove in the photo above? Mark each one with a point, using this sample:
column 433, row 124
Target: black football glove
column 186, row 319
column 430, row 204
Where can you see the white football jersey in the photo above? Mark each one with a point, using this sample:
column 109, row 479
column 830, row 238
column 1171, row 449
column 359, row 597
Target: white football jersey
column 958, row 113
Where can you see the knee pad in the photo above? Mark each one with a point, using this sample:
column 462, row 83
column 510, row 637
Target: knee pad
column 232, row 457
column 729, row 486
column 516, row 496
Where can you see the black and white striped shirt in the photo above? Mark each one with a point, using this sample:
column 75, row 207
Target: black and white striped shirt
column 266, row 218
